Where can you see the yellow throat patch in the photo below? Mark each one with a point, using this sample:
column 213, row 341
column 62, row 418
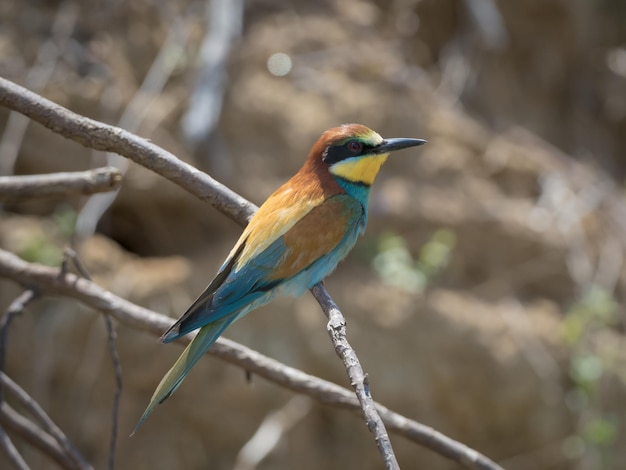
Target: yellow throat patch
column 359, row 169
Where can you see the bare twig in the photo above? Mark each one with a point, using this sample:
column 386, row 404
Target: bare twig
column 59, row 184
column 115, row 358
column 49, row 426
column 16, row 307
column 117, row 395
column 19, row 425
column 51, row 281
column 358, row 379
column 11, row 451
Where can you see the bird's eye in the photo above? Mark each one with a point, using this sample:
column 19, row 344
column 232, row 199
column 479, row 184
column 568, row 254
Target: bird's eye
column 355, row 147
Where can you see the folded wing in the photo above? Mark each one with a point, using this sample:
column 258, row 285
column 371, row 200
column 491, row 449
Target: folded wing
column 308, row 251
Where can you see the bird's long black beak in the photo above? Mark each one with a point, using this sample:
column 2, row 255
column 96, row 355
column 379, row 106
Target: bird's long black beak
column 389, row 145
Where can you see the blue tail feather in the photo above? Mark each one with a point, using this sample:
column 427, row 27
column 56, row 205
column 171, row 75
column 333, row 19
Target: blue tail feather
column 207, row 335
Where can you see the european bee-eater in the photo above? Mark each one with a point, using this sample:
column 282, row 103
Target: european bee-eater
column 295, row 240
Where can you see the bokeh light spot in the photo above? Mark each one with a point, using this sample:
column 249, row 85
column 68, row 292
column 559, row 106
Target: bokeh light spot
column 279, row 64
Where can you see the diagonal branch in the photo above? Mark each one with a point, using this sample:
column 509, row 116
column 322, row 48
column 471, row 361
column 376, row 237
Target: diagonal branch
column 21, row 426
column 49, row 427
column 99, row 136
column 16, row 308
column 53, row 282
column 11, row 451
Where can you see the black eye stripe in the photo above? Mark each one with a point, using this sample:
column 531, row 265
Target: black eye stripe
column 336, row 153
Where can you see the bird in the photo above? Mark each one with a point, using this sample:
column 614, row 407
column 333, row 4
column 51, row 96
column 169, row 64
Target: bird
column 295, row 239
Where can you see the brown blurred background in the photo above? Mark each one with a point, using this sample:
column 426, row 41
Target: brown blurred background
column 485, row 299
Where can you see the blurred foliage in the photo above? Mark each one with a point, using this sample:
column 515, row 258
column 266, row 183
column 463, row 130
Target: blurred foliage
column 46, row 248
column 590, row 369
column 396, row 267
column 595, row 310
column 65, row 220
column 40, row 249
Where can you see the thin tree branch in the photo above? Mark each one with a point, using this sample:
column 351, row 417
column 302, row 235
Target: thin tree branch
column 21, row 426
column 16, row 307
column 49, row 426
column 52, row 281
column 70, row 254
column 59, row 184
column 6, row 444
column 358, row 379
column 117, row 395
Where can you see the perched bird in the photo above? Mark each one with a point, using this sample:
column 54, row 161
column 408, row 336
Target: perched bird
column 295, row 240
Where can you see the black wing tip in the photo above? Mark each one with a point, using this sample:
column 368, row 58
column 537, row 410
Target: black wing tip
column 166, row 396
column 171, row 334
